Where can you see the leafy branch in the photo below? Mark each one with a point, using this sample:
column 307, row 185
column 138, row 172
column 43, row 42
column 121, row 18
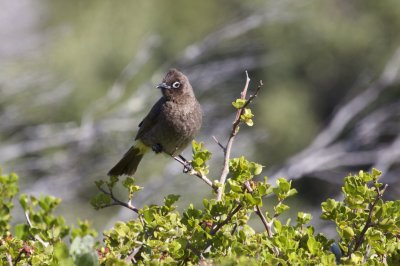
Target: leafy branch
column 107, row 197
column 241, row 105
column 357, row 242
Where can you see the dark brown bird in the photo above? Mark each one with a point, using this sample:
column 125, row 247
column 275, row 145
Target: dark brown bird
column 169, row 127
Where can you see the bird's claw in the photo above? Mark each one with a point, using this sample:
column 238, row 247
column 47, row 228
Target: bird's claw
column 157, row 148
column 187, row 167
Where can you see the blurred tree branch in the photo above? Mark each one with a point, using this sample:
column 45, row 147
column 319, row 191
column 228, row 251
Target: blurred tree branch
column 329, row 151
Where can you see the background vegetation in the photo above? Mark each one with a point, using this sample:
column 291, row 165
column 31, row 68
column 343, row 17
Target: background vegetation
column 76, row 77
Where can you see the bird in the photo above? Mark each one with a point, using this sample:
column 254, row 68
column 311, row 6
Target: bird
column 169, row 127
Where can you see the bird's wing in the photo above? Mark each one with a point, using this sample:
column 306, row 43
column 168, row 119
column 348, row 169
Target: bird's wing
column 151, row 119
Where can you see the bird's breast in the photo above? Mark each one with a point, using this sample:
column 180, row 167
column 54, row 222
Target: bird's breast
column 179, row 124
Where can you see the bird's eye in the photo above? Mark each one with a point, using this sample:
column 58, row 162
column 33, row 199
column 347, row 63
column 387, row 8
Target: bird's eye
column 176, row 84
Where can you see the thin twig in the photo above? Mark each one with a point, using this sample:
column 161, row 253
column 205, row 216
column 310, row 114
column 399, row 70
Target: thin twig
column 227, row 219
column 44, row 243
column 199, row 175
column 134, row 252
column 19, row 256
column 9, row 259
column 359, row 240
column 235, row 129
column 258, row 211
column 219, row 143
column 267, row 225
column 227, row 150
column 221, row 224
column 202, row 177
column 117, row 201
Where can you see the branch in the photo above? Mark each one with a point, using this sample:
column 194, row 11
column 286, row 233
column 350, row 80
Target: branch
column 44, row 243
column 117, row 90
column 202, row 177
column 267, row 225
column 219, row 143
column 221, row 224
column 9, row 259
column 227, row 149
column 227, row 219
column 258, row 211
column 328, row 147
column 118, row 202
column 358, row 241
column 350, row 110
column 235, row 130
column 196, row 173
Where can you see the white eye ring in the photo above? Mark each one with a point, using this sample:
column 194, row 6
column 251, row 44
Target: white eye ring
column 176, row 84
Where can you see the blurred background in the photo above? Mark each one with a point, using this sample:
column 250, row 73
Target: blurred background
column 76, row 78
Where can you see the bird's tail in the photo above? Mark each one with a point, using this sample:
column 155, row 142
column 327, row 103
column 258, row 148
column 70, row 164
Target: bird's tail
column 129, row 163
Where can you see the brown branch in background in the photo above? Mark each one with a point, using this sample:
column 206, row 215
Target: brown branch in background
column 328, row 152
column 118, row 202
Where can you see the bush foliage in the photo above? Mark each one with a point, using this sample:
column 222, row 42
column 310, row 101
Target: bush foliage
column 216, row 233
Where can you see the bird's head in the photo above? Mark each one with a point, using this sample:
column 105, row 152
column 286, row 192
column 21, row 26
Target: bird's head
column 175, row 85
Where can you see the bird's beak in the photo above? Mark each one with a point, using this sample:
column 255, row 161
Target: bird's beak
column 163, row 86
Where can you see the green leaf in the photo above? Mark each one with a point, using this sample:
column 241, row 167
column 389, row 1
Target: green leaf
column 22, row 231
column 348, row 232
column 256, row 168
column 235, row 186
column 280, row 208
column 247, row 116
column 101, row 200
column 171, row 199
column 82, row 250
column 23, row 200
column 239, row 103
column 313, row 245
column 303, row 218
column 99, row 183
column 61, row 256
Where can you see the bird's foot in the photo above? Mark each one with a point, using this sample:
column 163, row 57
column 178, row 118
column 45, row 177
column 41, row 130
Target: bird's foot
column 187, row 167
column 157, row 148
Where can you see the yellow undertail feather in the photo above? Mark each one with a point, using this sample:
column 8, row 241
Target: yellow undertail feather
column 129, row 163
column 141, row 146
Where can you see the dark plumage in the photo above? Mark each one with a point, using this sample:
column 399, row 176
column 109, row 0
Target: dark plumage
column 169, row 127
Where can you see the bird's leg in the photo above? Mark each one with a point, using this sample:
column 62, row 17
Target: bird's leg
column 187, row 166
column 157, row 148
